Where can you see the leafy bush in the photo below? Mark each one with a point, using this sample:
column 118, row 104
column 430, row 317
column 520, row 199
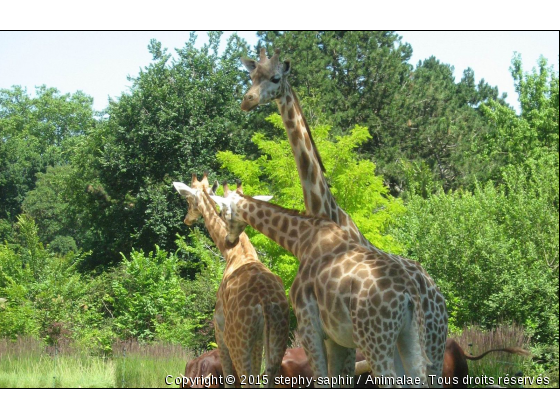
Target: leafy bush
column 204, row 259
column 45, row 295
column 493, row 252
column 63, row 245
column 148, row 293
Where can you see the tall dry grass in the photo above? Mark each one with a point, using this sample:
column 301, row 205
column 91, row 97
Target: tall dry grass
column 476, row 341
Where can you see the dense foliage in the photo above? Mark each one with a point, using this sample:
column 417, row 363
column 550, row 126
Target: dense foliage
column 493, row 252
column 352, row 180
column 93, row 247
column 146, row 296
column 36, row 132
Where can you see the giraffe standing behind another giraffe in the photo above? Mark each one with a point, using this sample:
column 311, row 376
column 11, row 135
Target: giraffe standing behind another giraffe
column 251, row 304
column 344, row 296
column 269, row 82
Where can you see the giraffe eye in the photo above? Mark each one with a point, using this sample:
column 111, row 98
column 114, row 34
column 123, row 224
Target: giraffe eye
column 275, row 79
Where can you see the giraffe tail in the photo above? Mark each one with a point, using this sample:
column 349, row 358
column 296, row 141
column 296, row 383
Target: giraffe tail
column 418, row 315
column 511, row 350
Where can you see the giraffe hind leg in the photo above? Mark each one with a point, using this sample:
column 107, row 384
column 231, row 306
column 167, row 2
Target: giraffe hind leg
column 399, row 368
column 379, row 351
column 382, row 364
column 256, row 362
column 225, row 357
column 250, row 353
column 341, row 362
column 312, row 338
column 435, row 369
column 276, row 340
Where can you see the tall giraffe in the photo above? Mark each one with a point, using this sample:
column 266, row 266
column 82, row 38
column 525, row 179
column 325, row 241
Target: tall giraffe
column 344, row 295
column 251, row 303
column 270, row 82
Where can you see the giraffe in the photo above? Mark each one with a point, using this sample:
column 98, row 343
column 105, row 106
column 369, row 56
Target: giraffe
column 344, row 296
column 251, row 300
column 270, row 83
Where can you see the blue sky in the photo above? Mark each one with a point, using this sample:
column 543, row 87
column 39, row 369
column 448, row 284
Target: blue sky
column 98, row 62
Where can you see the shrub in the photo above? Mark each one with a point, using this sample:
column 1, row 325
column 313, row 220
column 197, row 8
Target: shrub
column 493, row 252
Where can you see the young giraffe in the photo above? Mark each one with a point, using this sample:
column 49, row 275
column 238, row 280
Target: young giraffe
column 344, row 296
column 269, row 82
column 250, row 300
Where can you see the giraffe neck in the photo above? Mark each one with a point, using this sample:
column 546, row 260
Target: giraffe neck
column 289, row 229
column 319, row 201
column 240, row 254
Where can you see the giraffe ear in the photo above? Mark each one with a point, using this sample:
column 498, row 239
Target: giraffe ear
column 220, row 201
column 249, row 64
column 286, row 66
column 183, row 189
column 263, row 197
column 226, row 189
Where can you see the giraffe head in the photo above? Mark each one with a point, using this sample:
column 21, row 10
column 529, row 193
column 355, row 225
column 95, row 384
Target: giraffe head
column 235, row 225
column 192, row 195
column 269, row 77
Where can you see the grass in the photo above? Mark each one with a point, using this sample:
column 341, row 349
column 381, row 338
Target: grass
column 146, row 366
column 28, row 363
column 496, row 365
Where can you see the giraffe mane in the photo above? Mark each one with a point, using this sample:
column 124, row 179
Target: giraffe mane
column 284, row 209
column 298, row 106
column 207, row 195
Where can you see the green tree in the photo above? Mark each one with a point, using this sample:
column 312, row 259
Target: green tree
column 493, row 252
column 178, row 113
column 36, row 132
column 431, row 125
column 513, row 138
column 48, row 205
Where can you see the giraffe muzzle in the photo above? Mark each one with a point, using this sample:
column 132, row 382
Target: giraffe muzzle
column 231, row 244
column 249, row 102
